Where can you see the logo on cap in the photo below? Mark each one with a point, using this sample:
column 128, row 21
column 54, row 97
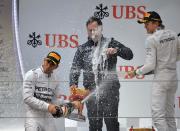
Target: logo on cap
column 150, row 16
column 54, row 57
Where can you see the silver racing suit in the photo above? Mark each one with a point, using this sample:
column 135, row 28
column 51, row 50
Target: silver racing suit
column 162, row 50
column 38, row 91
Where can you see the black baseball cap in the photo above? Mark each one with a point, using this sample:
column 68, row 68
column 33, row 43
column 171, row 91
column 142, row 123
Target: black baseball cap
column 54, row 57
column 150, row 16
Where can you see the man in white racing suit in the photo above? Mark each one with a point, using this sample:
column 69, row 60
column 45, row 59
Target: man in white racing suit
column 162, row 53
column 39, row 88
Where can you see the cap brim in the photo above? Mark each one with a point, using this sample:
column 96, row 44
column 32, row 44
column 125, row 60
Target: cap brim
column 141, row 21
column 51, row 60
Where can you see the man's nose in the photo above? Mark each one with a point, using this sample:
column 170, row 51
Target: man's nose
column 92, row 31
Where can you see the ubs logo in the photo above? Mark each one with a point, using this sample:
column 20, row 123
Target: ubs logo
column 53, row 40
column 101, row 11
column 34, row 40
column 120, row 11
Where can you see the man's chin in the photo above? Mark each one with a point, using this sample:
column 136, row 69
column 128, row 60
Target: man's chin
column 47, row 72
column 95, row 40
column 150, row 32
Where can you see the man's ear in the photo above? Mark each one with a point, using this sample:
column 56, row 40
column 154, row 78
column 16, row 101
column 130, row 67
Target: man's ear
column 157, row 23
column 100, row 28
column 56, row 66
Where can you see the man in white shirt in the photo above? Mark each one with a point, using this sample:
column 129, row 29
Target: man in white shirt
column 162, row 50
column 40, row 86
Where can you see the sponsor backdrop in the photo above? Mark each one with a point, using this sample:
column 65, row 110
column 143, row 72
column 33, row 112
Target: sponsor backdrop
column 60, row 25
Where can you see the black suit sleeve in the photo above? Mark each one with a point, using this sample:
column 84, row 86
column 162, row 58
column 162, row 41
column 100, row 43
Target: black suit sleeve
column 122, row 51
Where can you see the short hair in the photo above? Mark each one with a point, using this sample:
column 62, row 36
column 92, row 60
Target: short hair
column 92, row 19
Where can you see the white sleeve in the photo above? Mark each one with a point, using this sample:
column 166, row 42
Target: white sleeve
column 150, row 60
column 178, row 49
column 28, row 93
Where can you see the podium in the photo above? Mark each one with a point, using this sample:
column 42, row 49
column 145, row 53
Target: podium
column 141, row 129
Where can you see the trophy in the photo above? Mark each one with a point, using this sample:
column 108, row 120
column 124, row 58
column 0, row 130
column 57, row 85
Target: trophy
column 78, row 94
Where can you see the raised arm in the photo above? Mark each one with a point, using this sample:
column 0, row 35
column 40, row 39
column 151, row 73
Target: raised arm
column 122, row 51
